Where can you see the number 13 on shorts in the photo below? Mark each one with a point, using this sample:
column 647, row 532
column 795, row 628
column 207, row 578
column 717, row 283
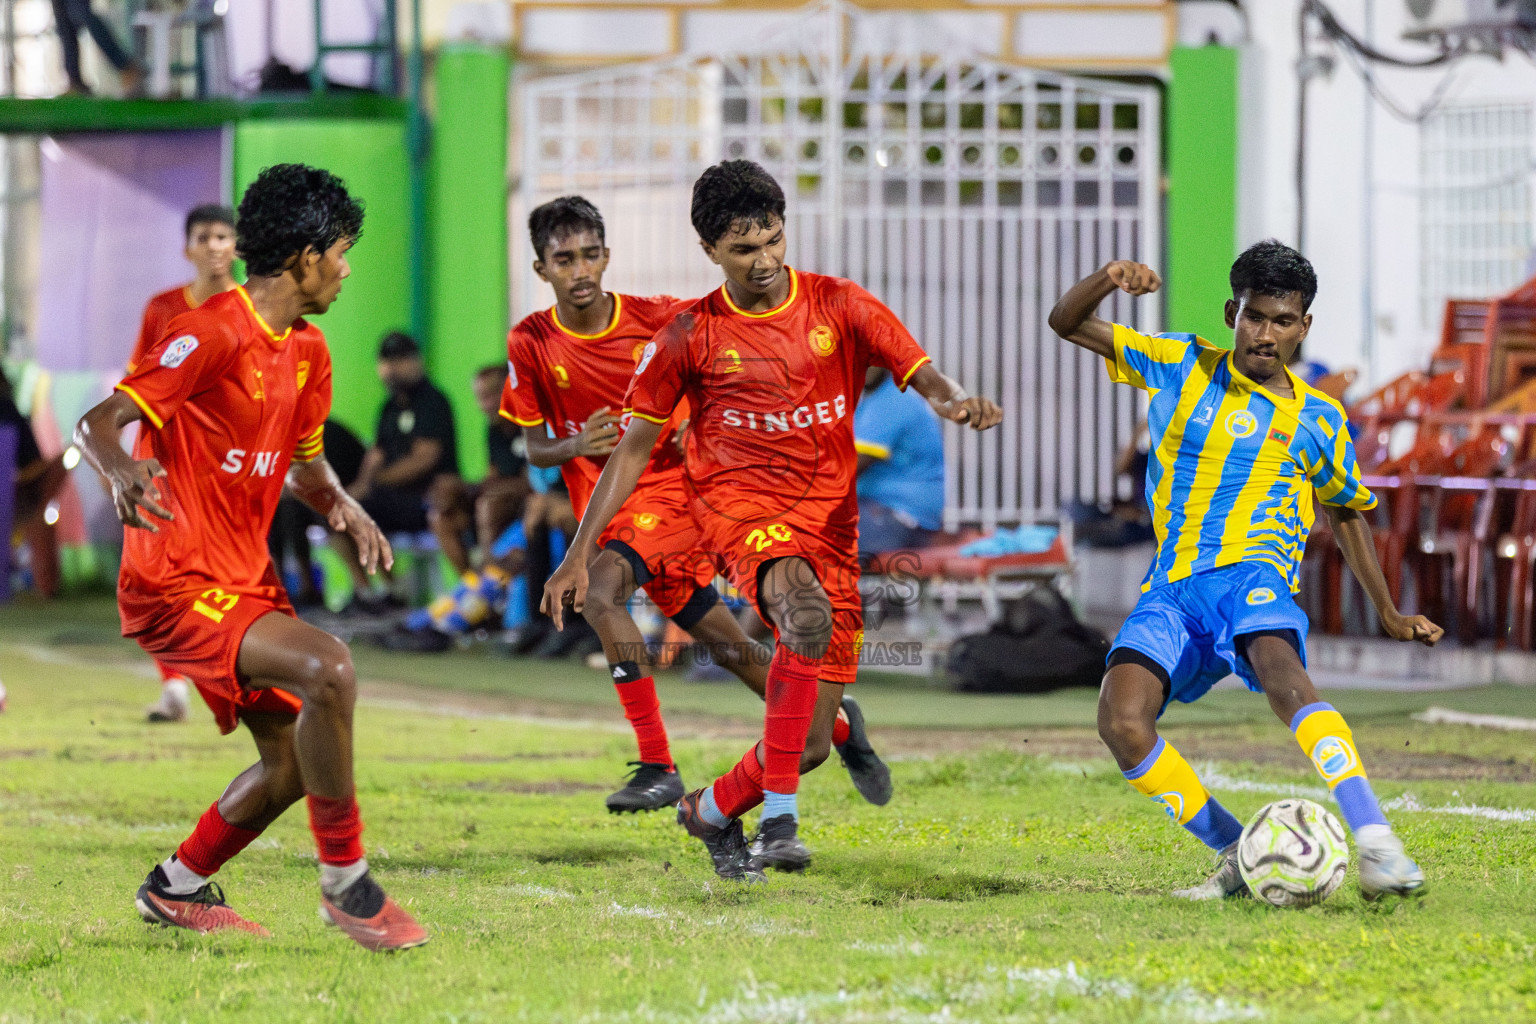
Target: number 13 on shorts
column 761, row 539
column 215, row 603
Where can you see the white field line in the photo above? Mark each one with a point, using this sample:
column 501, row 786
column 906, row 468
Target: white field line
column 1043, row 988
column 1408, row 802
column 1445, row 716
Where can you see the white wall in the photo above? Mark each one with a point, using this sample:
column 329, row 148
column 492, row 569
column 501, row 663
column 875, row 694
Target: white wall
column 1336, row 185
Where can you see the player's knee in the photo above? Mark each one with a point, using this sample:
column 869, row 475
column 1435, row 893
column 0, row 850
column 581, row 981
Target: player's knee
column 1125, row 732
column 329, row 680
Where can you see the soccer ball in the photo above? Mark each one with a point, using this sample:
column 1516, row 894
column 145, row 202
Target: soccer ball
column 1293, row 853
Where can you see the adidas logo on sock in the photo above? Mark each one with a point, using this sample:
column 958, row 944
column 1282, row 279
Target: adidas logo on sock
column 618, row 672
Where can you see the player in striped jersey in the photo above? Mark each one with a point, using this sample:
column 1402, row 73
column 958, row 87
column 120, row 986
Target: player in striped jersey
column 1240, row 446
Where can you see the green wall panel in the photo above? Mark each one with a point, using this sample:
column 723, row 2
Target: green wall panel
column 467, row 233
column 1202, row 189
column 370, row 156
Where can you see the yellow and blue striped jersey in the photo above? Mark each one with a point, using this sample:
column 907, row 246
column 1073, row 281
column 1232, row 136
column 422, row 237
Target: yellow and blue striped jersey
column 1233, row 465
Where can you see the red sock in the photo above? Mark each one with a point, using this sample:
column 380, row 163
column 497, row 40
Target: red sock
column 839, row 729
column 213, row 842
column 338, row 829
column 791, row 700
column 740, row 789
column 644, row 713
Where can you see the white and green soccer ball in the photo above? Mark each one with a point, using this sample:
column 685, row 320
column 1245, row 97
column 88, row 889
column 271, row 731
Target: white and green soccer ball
column 1293, row 853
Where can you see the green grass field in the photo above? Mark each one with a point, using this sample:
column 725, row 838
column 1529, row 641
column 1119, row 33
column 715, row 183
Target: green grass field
column 1014, row 877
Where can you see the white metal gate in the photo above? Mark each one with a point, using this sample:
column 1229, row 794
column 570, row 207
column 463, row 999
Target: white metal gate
column 965, row 193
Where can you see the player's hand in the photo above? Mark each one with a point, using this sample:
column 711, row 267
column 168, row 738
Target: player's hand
column 1413, row 627
column 135, row 488
column 1133, row 278
column 566, row 586
column 976, row 412
column 599, row 435
column 373, row 550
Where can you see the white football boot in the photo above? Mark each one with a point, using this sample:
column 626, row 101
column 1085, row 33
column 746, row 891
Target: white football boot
column 1385, row 869
column 1227, row 881
column 174, row 704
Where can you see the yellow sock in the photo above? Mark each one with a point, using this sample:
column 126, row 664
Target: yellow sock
column 1168, row 780
column 1324, row 737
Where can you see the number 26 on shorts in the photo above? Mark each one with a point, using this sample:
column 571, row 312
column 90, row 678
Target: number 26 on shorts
column 762, row 539
column 215, row 603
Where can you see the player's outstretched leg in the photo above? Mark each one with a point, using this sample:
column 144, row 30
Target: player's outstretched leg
column 655, row 782
column 283, row 652
column 175, row 697
column 731, row 649
column 1385, row 868
column 1129, row 701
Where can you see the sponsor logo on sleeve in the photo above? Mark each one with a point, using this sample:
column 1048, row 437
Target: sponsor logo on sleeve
column 1260, row 595
column 511, row 375
column 645, row 358
column 177, row 351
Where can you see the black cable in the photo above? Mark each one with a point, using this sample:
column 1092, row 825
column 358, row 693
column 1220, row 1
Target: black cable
column 1336, row 31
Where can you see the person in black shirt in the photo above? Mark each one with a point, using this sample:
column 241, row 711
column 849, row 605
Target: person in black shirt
column 413, row 447
column 478, row 513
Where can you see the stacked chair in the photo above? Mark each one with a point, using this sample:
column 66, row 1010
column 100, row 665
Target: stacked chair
column 1455, row 526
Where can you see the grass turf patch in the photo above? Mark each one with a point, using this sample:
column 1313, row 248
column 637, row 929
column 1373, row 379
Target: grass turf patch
column 997, row 886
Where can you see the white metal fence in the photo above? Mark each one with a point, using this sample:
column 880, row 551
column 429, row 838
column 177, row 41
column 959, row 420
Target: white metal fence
column 965, row 193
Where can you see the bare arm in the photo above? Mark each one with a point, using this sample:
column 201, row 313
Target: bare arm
column 132, row 481
column 569, row 582
column 417, row 463
column 1353, row 535
column 315, row 484
column 1074, row 317
column 949, row 400
column 598, row 437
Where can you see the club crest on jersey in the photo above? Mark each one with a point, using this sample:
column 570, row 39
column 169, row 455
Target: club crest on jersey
column 1172, row 802
column 1333, row 757
column 636, row 352
column 823, row 341
column 177, row 351
column 303, row 373
column 647, row 521
column 562, row 378
column 645, row 358
column 1260, row 595
column 1241, row 423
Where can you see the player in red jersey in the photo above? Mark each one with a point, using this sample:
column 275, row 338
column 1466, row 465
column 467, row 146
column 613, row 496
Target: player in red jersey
column 772, row 365
column 232, row 402
column 210, row 248
column 569, row 367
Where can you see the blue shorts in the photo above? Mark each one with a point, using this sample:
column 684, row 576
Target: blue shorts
column 1189, row 627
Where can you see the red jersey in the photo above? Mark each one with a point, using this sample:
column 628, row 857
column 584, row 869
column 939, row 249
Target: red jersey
column 158, row 313
column 227, row 405
column 558, row 377
column 773, row 395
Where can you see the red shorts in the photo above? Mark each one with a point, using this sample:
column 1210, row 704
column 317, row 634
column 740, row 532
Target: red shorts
column 655, row 529
column 199, row 636
column 833, row 554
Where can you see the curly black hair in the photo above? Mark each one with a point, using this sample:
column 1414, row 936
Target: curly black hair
column 1274, row 268
column 735, row 193
column 290, row 208
column 208, row 213
column 561, row 217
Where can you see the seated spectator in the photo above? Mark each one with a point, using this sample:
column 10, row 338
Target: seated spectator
column 901, row 467
column 480, row 512
column 413, row 447
column 290, row 526
column 38, row 482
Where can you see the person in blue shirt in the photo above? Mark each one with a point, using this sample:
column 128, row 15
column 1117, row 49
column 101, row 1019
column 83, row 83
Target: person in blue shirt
column 901, row 467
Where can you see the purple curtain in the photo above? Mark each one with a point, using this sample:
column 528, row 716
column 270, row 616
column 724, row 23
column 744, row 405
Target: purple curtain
column 113, row 207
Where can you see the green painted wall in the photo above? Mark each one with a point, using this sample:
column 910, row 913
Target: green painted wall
column 467, row 232
column 1202, row 189
column 370, row 156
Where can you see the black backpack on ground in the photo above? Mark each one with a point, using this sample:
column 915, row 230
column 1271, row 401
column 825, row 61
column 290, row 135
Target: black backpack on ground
column 1038, row 646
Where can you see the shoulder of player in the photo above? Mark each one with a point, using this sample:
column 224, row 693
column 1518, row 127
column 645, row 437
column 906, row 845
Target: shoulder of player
column 531, row 328
column 172, row 299
column 651, row 312
column 1319, row 412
